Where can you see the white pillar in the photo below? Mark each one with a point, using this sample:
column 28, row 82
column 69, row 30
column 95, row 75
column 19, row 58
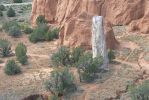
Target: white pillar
column 98, row 40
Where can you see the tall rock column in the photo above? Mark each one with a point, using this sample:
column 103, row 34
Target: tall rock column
column 98, row 40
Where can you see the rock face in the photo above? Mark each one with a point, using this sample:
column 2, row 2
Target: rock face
column 141, row 24
column 74, row 16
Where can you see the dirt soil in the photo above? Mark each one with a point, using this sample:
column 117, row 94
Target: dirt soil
column 33, row 75
column 130, row 66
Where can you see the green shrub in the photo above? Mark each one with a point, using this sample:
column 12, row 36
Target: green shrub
column 12, row 68
column 17, row 1
column 21, row 51
column 76, row 54
column 5, row 48
column 2, row 7
column 41, row 20
column 11, row 12
column 15, row 31
column 61, row 57
column 140, row 92
column 111, row 55
column 1, row 13
column 28, row 30
column 60, row 82
column 6, row 26
column 39, row 33
column 24, row 25
column 53, row 97
column 52, row 34
column 88, row 67
column 55, row 33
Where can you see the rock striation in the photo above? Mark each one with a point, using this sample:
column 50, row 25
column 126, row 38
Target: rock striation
column 74, row 17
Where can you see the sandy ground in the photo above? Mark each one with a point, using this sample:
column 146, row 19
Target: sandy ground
column 34, row 74
column 129, row 67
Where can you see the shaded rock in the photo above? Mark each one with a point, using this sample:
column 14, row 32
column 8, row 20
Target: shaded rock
column 111, row 41
column 36, row 97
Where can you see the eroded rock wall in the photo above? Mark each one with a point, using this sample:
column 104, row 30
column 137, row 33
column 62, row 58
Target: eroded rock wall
column 74, row 17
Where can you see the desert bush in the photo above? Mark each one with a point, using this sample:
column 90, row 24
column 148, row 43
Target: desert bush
column 5, row 48
column 6, row 26
column 28, row 30
column 11, row 12
column 111, row 55
column 1, row 13
column 24, row 25
column 17, row 1
column 60, row 82
column 15, row 31
column 2, row 7
column 41, row 20
column 52, row 34
column 76, row 54
column 65, row 57
column 39, row 33
column 21, row 51
column 55, row 33
column 61, row 57
column 53, row 97
column 140, row 92
column 88, row 67
column 11, row 68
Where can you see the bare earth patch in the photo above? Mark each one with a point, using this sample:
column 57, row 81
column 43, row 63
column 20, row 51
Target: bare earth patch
column 129, row 67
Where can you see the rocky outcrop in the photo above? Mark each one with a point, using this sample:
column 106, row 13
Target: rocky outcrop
column 43, row 7
column 141, row 25
column 74, row 16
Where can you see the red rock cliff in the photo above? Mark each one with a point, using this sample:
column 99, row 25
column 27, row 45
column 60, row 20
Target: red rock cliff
column 74, row 17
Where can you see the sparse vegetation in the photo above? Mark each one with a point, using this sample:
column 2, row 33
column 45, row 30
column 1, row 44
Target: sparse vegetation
column 28, row 30
column 41, row 20
column 15, row 31
column 53, row 97
column 12, row 68
column 66, row 60
column 1, row 13
column 21, row 51
column 61, row 82
column 65, row 57
column 2, row 7
column 5, row 48
column 39, row 33
column 140, row 92
column 61, row 57
column 111, row 55
column 52, row 34
column 11, row 12
column 7, row 26
column 88, row 67
column 76, row 54
column 17, row 1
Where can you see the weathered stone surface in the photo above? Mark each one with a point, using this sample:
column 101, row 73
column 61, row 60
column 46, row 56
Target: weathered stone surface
column 43, row 7
column 111, row 41
column 98, row 40
column 74, row 16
